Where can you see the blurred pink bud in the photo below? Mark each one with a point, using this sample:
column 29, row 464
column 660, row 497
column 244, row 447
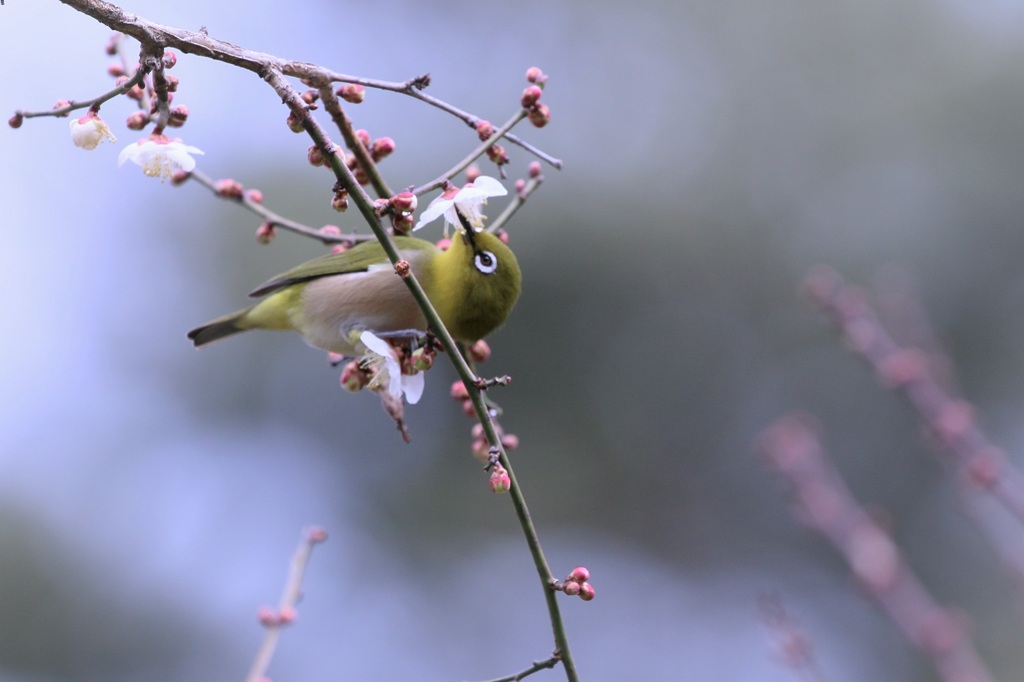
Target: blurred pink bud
column 510, row 441
column 254, row 195
column 310, row 96
column 468, row 409
column 179, row 177
column 503, row 236
column 535, row 169
column 330, row 231
column 265, row 233
column 535, row 75
column 316, row 534
column 115, row 70
column 484, row 129
column 340, row 201
column 334, row 359
column 540, row 115
column 111, row 48
column 580, row 574
column 341, row 247
column 480, row 351
column 137, row 120
column 500, row 481
column 571, row 589
column 315, row 156
column 364, row 137
column 497, row 154
column 520, row 187
column 170, row 59
column 135, row 93
column 458, row 391
column 472, row 173
column 293, row 122
column 444, row 243
column 228, row 188
column 531, row 95
column 267, row 616
column 361, row 177
column 61, row 103
column 172, row 83
column 179, row 114
column 287, row 615
column 352, row 93
column 382, row 148
column 586, row 591
column 16, row 121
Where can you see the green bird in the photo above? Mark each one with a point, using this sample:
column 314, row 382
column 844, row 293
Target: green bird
column 332, row 299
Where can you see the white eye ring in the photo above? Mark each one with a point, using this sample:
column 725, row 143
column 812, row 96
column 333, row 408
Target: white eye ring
column 485, row 262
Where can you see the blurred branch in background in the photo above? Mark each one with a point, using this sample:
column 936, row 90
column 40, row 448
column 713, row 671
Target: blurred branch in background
column 791, row 446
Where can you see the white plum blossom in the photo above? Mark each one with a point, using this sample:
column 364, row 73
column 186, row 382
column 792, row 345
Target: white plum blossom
column 387, row 370
column 160, row 156
column 87, row 132
column 466, row 201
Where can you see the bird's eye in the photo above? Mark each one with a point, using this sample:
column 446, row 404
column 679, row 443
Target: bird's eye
column 485, row 262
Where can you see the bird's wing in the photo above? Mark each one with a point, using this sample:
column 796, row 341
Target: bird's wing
column 360, row 258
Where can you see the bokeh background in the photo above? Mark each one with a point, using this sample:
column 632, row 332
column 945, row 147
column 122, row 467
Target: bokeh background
column 151, row 496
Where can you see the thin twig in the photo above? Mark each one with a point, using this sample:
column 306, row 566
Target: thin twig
column 823, row 502
column 536, row 667
column 510, row 210
column 285, row 614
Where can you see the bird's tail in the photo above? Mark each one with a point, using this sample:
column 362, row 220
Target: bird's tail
column 220, row 328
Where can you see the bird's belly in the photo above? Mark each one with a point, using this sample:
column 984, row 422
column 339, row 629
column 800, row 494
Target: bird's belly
column 333, row 307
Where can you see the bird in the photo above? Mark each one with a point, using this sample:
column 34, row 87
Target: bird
column 331, row 300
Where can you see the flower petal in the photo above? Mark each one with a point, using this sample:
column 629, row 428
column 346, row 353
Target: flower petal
column 413, row 387
column 375, row 343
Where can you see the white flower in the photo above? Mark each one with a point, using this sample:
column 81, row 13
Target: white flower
column 160, row 156
column 87, row 132
column 466, row 201
column 387, row 370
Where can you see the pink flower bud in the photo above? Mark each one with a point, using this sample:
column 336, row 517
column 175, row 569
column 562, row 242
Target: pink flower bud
column 334, row 359
column 484, row 129
column 293, row 122
column 361, row 177
column 228, row 188
column 580, row 574
column 265, row 233
column 444, row 243
column 331, row 231
column 472, row 173
column 571, row 589
column 310, row 96
column 535, row 75
column 535, row 169
column 254, row 195
column 111, row 48
column 363, row 137
column 481, row 450
column 267, row 616
column 61, row 103
column 458, row 391
column 341, row 247
column 170, row 59
column 382, row 148
column 316, row 534
column 172, row 83
column 520, row 187
column 287, row 615
column 315, row 156
column 540, row 115
column 510, row 441
column 500, row 481
column 115, row 70
column 586, row 591
column 179, row 177
column 479, row 351
column 497, row 154
column 503, row 236
column 135, row 93
column 352, row 93
column 179, row 114
column 16, row 121
column 468, row 409
column 404, row 202
column 531, row 95
column 340, row 201
column 137, row 120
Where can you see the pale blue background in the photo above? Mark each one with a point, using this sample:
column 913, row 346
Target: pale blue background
column 151, row 496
